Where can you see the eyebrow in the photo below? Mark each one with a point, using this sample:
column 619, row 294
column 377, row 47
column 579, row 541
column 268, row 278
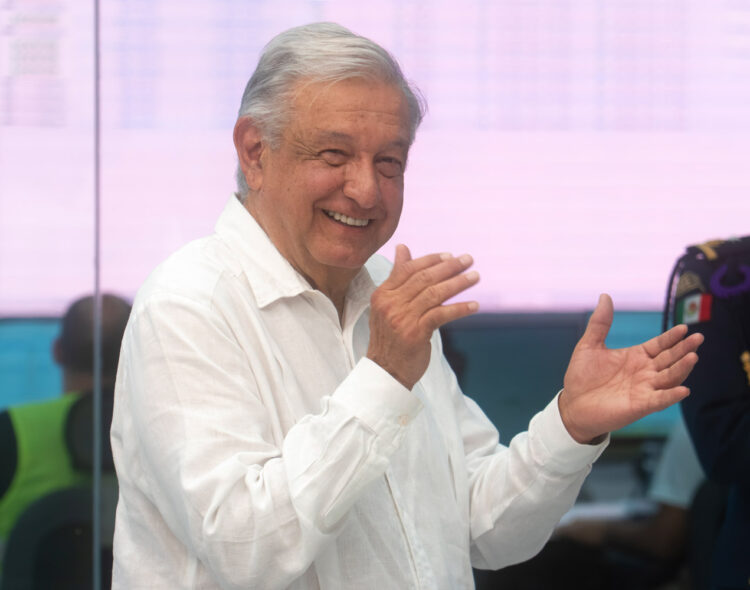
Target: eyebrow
column 323, row 136
column 332, row 136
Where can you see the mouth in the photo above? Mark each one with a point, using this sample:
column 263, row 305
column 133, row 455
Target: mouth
column 346, row 220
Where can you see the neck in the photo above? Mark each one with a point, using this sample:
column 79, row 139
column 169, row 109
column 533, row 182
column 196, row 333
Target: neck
column 331, row 281
column 81, row 382
column 335, row 291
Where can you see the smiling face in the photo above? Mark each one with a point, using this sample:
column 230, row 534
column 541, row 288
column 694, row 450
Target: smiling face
column 331, row 194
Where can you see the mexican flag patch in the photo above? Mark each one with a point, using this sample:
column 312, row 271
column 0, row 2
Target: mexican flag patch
column 693, row 309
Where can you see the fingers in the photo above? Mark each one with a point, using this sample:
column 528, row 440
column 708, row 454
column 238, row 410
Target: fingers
column 438, row 283
column 676, row 373
column 416, row 290
column 665, row 340
column 435, row 294
column 404, row 267
column 443, row 314
column 434, row 277
column 667, row 397
column 599, row 323
column 410, row 305
column 668, row 357
column 675, row 356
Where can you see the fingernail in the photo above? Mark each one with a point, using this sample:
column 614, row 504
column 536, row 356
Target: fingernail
column 446, row 256
column 473, row 306
column 465, row 259
column 472, row 276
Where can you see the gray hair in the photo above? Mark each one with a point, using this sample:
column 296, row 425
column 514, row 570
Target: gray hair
column 318, row 52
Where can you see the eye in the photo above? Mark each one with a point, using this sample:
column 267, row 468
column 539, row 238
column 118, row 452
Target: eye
column 390, row 167
column 333, row 157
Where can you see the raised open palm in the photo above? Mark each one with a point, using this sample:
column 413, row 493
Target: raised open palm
column 606, row 389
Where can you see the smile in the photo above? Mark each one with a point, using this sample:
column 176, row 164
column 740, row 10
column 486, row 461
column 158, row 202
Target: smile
column 345, row 219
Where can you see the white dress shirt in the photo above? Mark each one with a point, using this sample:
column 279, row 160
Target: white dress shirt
column 257, row 447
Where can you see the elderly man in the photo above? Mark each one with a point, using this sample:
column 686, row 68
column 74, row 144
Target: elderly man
column 284, row 415
column 35, row 459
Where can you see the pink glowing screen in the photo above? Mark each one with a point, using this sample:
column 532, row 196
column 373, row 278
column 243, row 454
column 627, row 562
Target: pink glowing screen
column 571, row 146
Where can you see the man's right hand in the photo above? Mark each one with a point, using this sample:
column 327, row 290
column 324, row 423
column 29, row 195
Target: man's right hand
column 410, row 305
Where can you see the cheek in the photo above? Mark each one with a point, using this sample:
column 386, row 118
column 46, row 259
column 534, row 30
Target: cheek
column 302, row 194
column 393, row 197
column 320, row 180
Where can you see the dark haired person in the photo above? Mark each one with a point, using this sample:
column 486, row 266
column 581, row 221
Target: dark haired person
column 34, row 459
column 713, row 297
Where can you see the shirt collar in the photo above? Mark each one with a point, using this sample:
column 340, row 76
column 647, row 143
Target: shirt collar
column 270, row 275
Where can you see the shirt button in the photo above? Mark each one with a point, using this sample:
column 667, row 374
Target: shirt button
column 403, row 420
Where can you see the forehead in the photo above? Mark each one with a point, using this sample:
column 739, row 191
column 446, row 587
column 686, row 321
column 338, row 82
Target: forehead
column 350, row 106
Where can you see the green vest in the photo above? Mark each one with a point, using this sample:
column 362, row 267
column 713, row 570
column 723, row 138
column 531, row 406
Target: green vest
column 44, row 464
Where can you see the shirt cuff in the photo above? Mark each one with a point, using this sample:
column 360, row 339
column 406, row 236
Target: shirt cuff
column 372, row 394
column 563, row 453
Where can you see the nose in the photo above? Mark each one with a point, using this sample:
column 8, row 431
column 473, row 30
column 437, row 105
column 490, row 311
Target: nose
column 361, row 183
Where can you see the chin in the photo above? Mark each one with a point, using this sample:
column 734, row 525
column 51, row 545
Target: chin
column 348, row 261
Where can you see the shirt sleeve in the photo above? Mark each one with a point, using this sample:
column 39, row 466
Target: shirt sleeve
column 519, row 492
column 192, row 435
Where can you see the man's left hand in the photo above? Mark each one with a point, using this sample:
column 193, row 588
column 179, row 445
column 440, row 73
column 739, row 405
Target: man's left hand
column 607, row 389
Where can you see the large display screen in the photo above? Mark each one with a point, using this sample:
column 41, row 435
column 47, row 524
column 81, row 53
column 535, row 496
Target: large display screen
column 571, row 146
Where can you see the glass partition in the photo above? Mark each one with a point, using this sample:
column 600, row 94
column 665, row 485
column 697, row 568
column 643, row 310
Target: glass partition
column 47, row 261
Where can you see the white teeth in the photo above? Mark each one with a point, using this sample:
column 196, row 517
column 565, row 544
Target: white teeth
column 348, row 220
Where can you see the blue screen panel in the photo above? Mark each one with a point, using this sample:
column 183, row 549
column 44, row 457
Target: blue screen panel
column 514, row 364
column 27, row 370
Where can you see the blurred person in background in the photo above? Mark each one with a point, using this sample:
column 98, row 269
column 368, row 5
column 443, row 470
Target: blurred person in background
column 35, row 459
column 713, row 297
column 650, row 548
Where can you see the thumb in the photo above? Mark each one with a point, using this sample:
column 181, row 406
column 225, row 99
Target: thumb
column 398, row 272
column 599, row 323
column 402, row 255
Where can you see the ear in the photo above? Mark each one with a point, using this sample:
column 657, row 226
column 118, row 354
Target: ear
column 249, row 145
